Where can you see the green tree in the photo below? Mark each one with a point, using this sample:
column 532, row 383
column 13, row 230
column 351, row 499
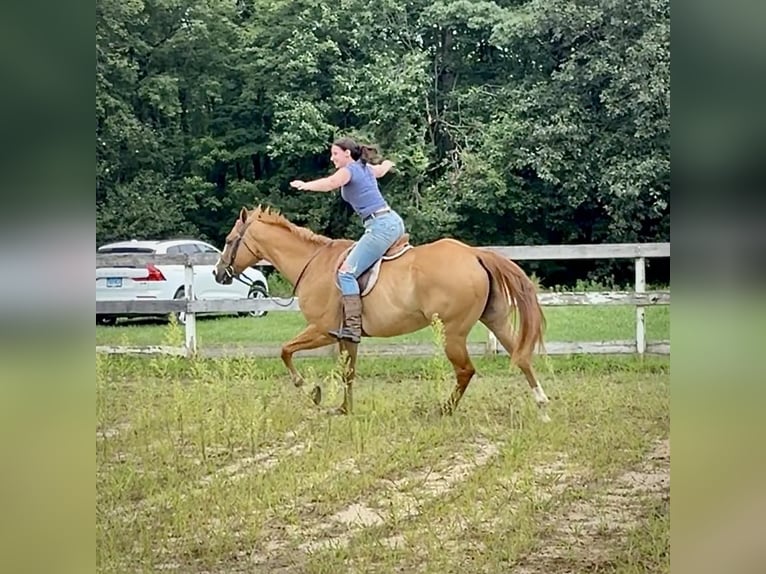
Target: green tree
column 511, row 121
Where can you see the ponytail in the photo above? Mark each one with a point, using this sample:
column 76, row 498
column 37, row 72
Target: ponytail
column 367, row 153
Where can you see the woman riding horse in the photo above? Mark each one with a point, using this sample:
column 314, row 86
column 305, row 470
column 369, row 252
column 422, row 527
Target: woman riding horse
column 357, row 179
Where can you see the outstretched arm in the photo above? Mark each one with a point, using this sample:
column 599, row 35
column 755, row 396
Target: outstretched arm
column 334, row 181
column 382, row 168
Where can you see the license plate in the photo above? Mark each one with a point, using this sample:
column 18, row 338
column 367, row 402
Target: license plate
column 114, row 281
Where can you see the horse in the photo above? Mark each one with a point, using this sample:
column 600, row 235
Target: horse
column 413, row 284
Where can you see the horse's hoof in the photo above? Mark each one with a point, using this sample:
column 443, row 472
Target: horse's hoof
column 337, row 411
column 316, row 395
column 545, row 417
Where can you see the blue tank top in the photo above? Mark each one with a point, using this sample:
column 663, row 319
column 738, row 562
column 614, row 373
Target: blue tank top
column 362, row 191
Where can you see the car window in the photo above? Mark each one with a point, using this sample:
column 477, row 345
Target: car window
column 208, row 249
column 173, row 250
column 189, row 248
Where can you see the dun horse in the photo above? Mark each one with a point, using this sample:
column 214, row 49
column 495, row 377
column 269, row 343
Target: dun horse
column 446, row 278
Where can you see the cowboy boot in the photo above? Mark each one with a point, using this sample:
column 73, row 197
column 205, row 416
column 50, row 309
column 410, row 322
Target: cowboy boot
column 352, row 319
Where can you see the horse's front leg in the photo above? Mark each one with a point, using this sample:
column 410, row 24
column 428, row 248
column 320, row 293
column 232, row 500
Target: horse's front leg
column 348, row 358
column 310, row 338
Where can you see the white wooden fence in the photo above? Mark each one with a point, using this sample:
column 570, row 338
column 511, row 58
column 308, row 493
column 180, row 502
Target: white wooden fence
column 639, row 298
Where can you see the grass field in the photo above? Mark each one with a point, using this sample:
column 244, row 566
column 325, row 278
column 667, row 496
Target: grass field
column 220, row 465
column 564, row 324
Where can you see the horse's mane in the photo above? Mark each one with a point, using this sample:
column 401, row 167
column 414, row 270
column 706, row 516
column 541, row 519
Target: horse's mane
column 273, row 217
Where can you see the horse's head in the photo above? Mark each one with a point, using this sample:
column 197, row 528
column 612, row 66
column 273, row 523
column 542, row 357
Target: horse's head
column 240, row 252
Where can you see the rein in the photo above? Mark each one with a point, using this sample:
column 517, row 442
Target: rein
column 305, row 267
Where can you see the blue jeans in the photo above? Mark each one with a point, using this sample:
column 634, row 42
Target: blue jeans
column 380, row 233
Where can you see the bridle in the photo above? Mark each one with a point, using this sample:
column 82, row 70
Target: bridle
column 240, row 239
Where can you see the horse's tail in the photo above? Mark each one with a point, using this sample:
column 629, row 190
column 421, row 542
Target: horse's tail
column 520, row 294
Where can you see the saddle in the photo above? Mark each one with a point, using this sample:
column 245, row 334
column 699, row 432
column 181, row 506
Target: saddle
column 369, row 278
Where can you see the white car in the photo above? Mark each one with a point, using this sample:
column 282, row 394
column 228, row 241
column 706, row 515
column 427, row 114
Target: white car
column 167, row 281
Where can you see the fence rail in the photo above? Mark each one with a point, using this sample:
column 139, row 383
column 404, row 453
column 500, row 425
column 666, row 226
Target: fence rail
column 515, row 252
column 638, row 298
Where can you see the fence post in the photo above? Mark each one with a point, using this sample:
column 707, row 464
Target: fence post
column 640, row 311
column 491, row 343
column 191, row 319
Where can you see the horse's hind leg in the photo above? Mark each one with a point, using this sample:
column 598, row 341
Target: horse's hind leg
column 457, row 353
column 499, row 325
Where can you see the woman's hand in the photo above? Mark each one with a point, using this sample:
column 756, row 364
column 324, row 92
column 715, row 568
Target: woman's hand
column 298, row 184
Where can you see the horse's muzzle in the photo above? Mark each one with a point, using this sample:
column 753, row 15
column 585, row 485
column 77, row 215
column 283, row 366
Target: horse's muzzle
column 223, row 275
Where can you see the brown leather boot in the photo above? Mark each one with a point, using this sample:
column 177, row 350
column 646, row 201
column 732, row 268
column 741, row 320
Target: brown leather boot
column 352, row 319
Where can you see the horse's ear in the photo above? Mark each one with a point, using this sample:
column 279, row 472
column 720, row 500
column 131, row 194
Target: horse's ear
column 243, row 215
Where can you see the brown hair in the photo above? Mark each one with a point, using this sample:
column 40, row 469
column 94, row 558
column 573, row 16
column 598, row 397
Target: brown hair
column 365, row 153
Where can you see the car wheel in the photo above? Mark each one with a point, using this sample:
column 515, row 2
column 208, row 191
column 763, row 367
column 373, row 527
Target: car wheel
column 257, row 291
column 106, row 320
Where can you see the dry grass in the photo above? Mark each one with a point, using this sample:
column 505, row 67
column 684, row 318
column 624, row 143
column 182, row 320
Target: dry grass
column 222, row 466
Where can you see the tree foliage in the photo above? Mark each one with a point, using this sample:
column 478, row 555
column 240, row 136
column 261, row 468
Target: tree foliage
column 511, row 121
